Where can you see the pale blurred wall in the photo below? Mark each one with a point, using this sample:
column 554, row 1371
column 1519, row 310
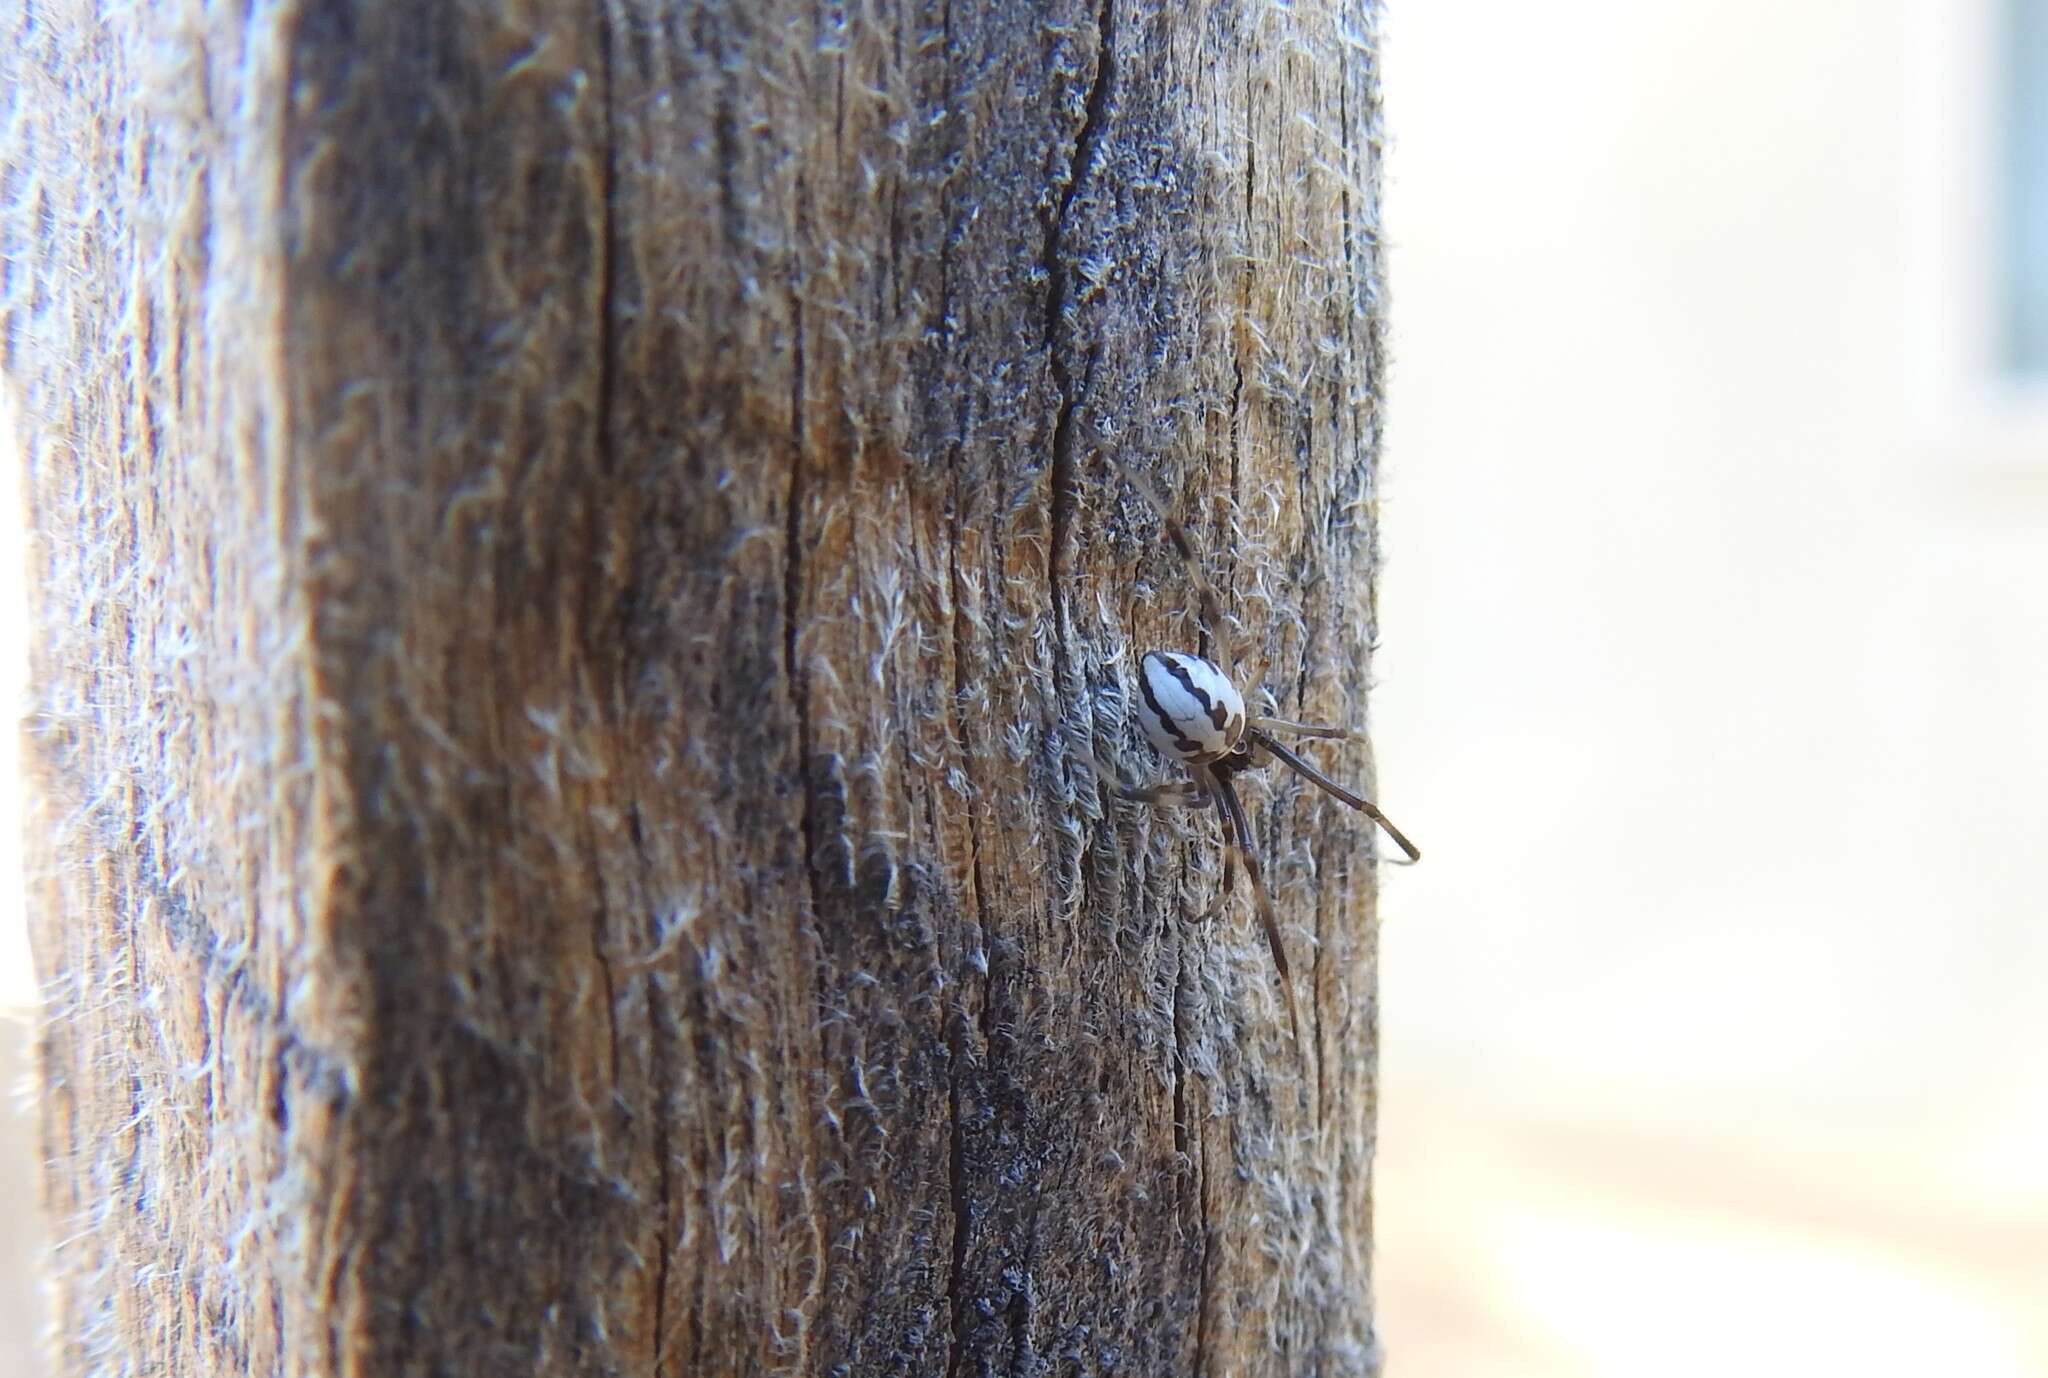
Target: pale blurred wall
column 21, row 1315
column 1715, row 688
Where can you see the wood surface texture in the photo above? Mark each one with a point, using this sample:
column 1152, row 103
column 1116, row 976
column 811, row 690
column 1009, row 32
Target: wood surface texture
column 578, row 584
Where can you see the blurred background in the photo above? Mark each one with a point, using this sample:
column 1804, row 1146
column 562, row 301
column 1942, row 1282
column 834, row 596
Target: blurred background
column 1715, row 685
column 20, row 1230
column 1715, row 688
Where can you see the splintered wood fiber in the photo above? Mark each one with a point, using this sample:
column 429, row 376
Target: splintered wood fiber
column 578, row 587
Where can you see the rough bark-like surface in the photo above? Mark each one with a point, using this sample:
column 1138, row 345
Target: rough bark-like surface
column 578, row 586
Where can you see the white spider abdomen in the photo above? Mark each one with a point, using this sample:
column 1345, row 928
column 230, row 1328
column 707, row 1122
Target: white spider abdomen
column 1187, row 706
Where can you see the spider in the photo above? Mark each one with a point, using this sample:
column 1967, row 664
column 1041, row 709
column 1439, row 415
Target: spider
column 1193, row 713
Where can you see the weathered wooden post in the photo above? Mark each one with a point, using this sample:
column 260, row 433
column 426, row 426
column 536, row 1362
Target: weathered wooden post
column 578, row 584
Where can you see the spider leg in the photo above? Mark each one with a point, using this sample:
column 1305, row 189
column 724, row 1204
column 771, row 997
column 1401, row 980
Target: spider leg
column 1179, row 794
column 1222, row 651
column 1309, row 729
column 1183, row 794
column 1239, row 843
column 1287, row 757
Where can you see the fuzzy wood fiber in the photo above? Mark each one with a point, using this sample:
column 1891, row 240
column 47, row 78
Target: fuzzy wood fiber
column 577, row 587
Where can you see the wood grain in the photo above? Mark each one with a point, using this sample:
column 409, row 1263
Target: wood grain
column 578, row 587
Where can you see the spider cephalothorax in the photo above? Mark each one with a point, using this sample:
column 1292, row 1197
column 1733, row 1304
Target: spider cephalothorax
column 1193, row 713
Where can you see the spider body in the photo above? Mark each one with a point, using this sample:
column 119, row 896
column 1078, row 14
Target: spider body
column 1188, row 707
column 1192, row 712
